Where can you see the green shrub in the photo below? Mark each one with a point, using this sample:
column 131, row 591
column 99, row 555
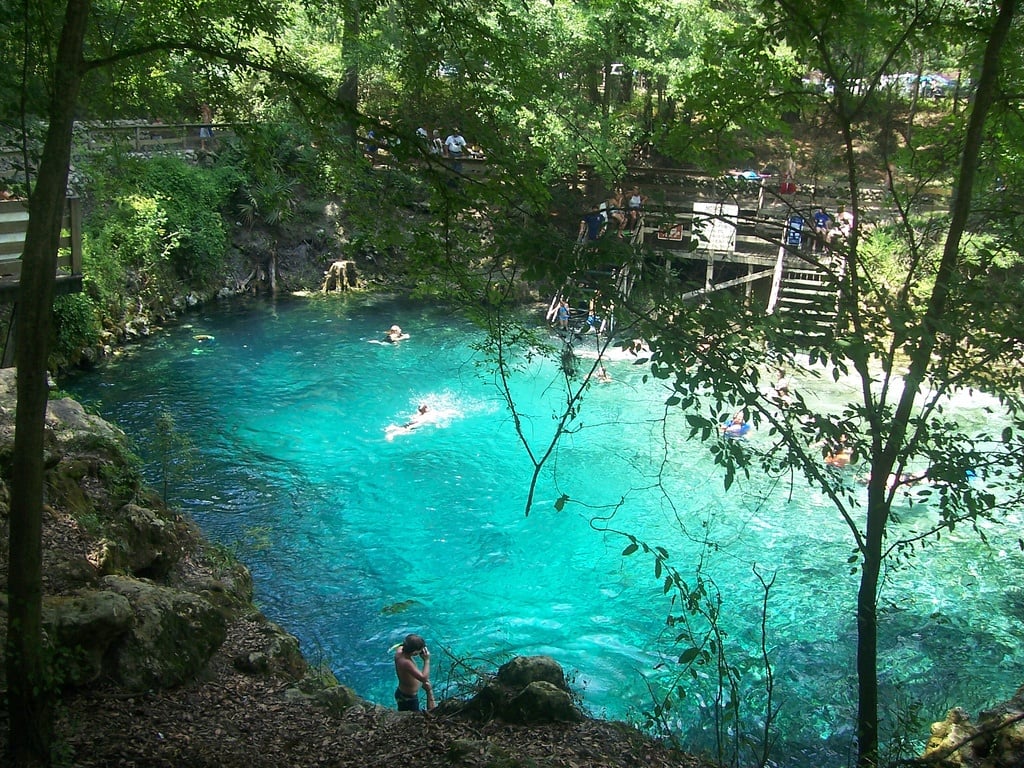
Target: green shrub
column 191, row 198
column 76, row 324
column 127, row 252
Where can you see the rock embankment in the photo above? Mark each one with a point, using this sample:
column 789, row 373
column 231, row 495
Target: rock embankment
column 161, row 657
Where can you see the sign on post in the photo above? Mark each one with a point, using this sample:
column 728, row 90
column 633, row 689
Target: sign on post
column 795, row 231
column 714, row 225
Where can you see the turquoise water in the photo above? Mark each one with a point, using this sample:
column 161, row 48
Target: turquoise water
column 356, row 536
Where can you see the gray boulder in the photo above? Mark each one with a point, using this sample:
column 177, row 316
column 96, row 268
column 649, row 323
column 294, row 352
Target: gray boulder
column 82, row 629
column 523, row 670
column 173, row 637
column 528, row 689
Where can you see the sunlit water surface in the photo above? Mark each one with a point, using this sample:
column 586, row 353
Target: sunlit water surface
column 356, row 536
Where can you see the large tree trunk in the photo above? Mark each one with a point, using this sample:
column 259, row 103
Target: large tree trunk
column 29, row 687
column 348, row 91
column 920, row 360
column 867, row 628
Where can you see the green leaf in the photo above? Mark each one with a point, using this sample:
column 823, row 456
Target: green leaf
column 560, row 502
column 630, row 549
column 687, row 656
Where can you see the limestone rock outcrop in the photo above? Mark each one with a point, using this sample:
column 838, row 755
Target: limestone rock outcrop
column 132, row 591
column 173, row 635
column 84, row 627
column 996, row 740
column 528, row 689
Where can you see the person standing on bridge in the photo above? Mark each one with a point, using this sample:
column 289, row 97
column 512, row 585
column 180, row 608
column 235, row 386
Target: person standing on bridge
column 456, row 146
column 206, row 128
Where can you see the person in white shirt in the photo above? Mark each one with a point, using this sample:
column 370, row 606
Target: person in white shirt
column 455, row 144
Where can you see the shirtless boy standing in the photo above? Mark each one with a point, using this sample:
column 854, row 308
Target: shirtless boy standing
column 410, row 676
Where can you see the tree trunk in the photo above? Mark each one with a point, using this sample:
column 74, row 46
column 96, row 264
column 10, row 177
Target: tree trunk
column 920, row 359
column 348, row 91
column 867, row 629
column 29, row 687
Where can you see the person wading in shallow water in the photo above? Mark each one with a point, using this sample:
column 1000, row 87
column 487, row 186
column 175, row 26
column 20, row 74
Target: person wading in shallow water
column 410, row 676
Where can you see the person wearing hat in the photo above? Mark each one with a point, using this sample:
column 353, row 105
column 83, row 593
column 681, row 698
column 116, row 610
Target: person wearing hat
column 410, row 676
column 395, row 334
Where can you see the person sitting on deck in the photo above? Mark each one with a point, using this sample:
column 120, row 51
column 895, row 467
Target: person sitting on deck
column 822, row 225
column 616, row 211
column 634, row 208
column 843, row 225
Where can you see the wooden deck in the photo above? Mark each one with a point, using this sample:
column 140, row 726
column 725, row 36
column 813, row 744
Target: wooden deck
column 13, row 225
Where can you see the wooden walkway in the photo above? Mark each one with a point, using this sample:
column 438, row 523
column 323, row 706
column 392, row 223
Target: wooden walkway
column 13, row 225
column 745, row 233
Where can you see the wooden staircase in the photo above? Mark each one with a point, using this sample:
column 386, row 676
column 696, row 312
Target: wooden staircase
column 808, row 301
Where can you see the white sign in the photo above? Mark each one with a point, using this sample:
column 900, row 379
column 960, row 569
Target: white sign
column 714, row 225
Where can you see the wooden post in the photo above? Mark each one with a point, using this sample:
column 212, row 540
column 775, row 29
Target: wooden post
column 76, row 235
column 773, row 297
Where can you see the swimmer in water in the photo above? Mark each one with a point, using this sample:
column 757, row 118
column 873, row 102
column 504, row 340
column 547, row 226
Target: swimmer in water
column 736, row 427
column 418, row 419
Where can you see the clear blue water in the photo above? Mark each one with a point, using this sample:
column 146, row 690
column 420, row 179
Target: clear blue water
column 355, row 539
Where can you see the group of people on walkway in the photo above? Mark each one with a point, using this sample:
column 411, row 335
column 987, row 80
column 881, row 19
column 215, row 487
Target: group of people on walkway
column 622, row 211
column 453, row 147
column 596, row 318
column 828, row 230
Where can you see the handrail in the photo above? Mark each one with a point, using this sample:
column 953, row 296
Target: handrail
column 13, row 227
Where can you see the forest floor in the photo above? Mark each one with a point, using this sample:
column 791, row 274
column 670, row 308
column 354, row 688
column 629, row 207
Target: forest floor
column 230, row 719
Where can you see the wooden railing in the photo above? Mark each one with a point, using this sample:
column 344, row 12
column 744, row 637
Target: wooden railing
column 154, row 136
column 13, row 226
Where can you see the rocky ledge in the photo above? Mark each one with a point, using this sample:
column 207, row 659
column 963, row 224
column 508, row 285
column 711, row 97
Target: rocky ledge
column 163, row 660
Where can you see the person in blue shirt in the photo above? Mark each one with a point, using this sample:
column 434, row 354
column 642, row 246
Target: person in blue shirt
column 591, row 225
column 822, row 225
column 736, row 427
